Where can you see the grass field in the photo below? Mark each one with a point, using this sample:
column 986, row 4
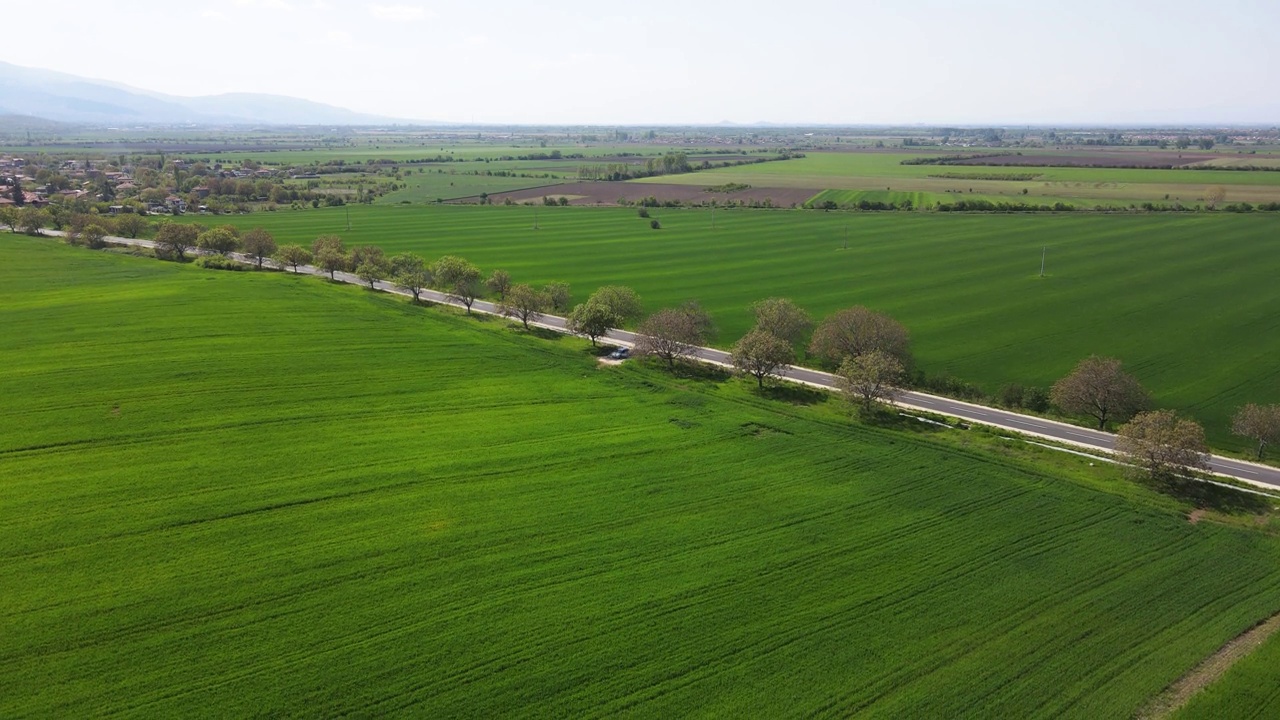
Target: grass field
column 1082, row 186
column 242, row 493
column 1247, row 690
column 1186, row 301
column 406, row 148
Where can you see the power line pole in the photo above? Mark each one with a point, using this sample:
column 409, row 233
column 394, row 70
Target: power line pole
column 535, row 218
column 846, row 237
column 1043, row 253
column 348, row 209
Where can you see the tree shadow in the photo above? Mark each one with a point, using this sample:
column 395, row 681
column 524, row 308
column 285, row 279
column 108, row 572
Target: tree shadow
column 1209, row 496
column 698, row 371
column 793, row 394
column 893, row 418
column 545, row 334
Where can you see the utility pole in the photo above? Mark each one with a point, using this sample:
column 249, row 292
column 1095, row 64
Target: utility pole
column 846, row 237
column 535, row 217
column 348, row 209
column 1043, row 253
column 713, row 217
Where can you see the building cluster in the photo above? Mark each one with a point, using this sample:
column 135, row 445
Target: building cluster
column 146, row 188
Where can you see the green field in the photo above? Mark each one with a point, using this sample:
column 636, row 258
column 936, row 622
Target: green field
column 436, row 182
column 1082, row 186
column 852, row 197
column 242, row 493
column 1247, row 690
column 1187, row 301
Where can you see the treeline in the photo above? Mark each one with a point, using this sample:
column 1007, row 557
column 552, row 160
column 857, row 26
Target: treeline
column 1016, row 177
column 906, row 204
column 978, row 205
column 1242, row 168
column 651, row 201
column 33, row 220
column 952, row 159
column 989, row 206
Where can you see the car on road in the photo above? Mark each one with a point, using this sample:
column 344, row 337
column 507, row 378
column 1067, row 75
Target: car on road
column 620, row 353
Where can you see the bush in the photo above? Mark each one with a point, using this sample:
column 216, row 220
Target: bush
column 947, row 385
column 655, row 224
column 643, row 212
column 218, row 262
column 1011, row 395
column 1035, row 399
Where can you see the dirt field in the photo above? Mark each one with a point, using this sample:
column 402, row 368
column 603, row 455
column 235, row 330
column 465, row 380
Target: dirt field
column 609, row 193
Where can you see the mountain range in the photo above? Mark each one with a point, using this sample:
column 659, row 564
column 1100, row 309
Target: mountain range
column 72, row 99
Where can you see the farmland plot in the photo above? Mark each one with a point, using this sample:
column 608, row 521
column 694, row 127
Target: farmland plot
column 1187, row 301
column 289, row 497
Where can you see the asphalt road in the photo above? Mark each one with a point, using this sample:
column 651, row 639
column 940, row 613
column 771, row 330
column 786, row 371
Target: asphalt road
column 1253, row 473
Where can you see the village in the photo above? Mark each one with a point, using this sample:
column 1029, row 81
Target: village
column 143, row 185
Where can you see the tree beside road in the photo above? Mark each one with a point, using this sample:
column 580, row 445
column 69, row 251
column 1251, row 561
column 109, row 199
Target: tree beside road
column 458, row 278
column 175, row 240
column 673, row 333
column 499, row 283
column 293, row 256
column 1163, row 445
column 782, row 319
column 608, row 307
column 410, row 272
column 762, row 355
column 1259, row 423
column 329, row 254
column 870, row 378
column 219, row 241
column 523, row 303
column 258, row 244
column 1099, row 388
column 858, row 330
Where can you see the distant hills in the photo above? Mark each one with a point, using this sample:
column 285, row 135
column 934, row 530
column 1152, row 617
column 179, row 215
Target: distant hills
column 67, row 98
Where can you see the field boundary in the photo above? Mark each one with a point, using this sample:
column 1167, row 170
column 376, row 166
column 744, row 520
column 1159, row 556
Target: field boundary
column 1176, row 696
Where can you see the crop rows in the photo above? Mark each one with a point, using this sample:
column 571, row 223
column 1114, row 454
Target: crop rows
column 243, row 493
column 1185, row 301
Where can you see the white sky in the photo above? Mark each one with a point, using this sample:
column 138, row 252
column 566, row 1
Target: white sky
column 687, row 61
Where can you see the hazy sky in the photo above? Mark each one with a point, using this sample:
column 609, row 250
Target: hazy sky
column 689, row 61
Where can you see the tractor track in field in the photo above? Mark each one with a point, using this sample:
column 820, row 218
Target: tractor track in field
column 1177, row 695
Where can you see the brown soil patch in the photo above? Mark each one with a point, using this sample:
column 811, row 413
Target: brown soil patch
column 609, row 193
column 1196, row 516
column 1178, row 694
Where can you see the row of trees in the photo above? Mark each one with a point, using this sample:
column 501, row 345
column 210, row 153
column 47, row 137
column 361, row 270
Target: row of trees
column 456, row 276
column 868, row 351
column 1158, row 441
column 32, row 220
column 174, row 240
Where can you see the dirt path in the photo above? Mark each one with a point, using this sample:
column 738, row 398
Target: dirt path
column 1178, row 694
